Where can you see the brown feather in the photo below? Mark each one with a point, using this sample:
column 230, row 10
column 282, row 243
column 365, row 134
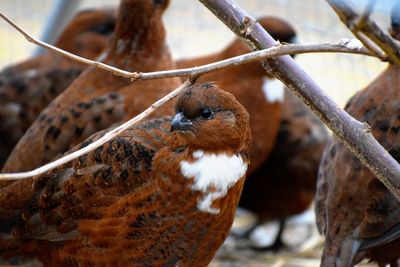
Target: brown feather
column 97, row 98
column 353, row 207
column 27, row 87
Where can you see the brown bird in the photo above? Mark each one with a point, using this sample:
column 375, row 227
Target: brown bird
column 97, row 98
column 163, row 193
column 255, row 89
column 27, row 87
column 285, row 184
column 355, row 211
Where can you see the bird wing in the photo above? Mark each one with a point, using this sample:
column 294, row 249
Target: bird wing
column 87, row 186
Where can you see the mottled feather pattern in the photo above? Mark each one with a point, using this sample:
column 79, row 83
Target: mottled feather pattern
column 83, row 103
column 353, row 207
column 27, row 87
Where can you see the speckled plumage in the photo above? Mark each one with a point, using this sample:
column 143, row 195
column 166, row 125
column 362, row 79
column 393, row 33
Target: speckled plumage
column 127, row 203
column 97, row 98
column 354, row 209
column 27, row 87
column 245, row 82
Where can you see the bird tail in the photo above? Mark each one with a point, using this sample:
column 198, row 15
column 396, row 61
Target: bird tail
column 343, row 255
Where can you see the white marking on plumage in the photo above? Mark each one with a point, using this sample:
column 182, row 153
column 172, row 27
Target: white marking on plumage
column 213, row 175
column 273, row 89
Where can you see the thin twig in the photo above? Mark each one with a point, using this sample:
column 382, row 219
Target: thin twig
column 358, row 23
column 108, row 136
column 367, row 28
column 355, row 135
column 234, row 61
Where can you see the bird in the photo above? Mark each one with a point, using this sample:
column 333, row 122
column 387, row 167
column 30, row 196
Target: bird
column 162, row 193
column 98, row 99
column 285, row 184
column 28, row 86
column 259, row 92
column 357, row 214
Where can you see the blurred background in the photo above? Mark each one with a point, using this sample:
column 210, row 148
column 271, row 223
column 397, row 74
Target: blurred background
column 193, row 30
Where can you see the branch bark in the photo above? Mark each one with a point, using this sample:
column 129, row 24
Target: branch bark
column 354, row 134
column 362, row 24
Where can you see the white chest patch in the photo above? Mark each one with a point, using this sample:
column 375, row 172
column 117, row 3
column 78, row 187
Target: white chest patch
column 273, row 89
column 217, row 172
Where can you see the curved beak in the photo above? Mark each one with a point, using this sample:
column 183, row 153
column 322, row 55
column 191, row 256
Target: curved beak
column 180, row 123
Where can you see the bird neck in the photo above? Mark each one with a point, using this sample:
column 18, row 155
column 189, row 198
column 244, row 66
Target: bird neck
column 139, row 31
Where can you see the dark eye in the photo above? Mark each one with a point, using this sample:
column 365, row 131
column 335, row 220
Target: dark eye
column 206, row 113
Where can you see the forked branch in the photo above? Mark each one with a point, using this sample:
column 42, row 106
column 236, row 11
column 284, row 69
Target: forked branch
column 361, row 26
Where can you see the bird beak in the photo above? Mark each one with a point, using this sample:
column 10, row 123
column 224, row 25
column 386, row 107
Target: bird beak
column 180, row 123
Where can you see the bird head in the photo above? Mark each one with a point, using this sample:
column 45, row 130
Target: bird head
column 88, row 32
column 279, row 29
column 211, row 119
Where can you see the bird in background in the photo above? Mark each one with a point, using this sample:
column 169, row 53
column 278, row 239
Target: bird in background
column 27, row 87
column 356, row 213
column 162, row 193
column 97, row 98
column 259, row 92
column 285, row 184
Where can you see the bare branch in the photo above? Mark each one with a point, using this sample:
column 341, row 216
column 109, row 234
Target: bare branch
column 108, row 136
column 278, row 50
column 354, row 134
column 364, row 26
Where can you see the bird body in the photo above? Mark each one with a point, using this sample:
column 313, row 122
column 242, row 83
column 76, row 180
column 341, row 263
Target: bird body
column 146, row 197
column 285, row 184
column 27, row 87
column 97, row 99
column 355, row 211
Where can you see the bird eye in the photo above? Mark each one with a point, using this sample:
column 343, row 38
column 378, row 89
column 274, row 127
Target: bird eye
column 206, row 113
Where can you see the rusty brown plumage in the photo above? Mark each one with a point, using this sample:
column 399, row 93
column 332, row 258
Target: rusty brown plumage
column 357, row 214
column 130, row 202
column 97, row 98
column 27, row 87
